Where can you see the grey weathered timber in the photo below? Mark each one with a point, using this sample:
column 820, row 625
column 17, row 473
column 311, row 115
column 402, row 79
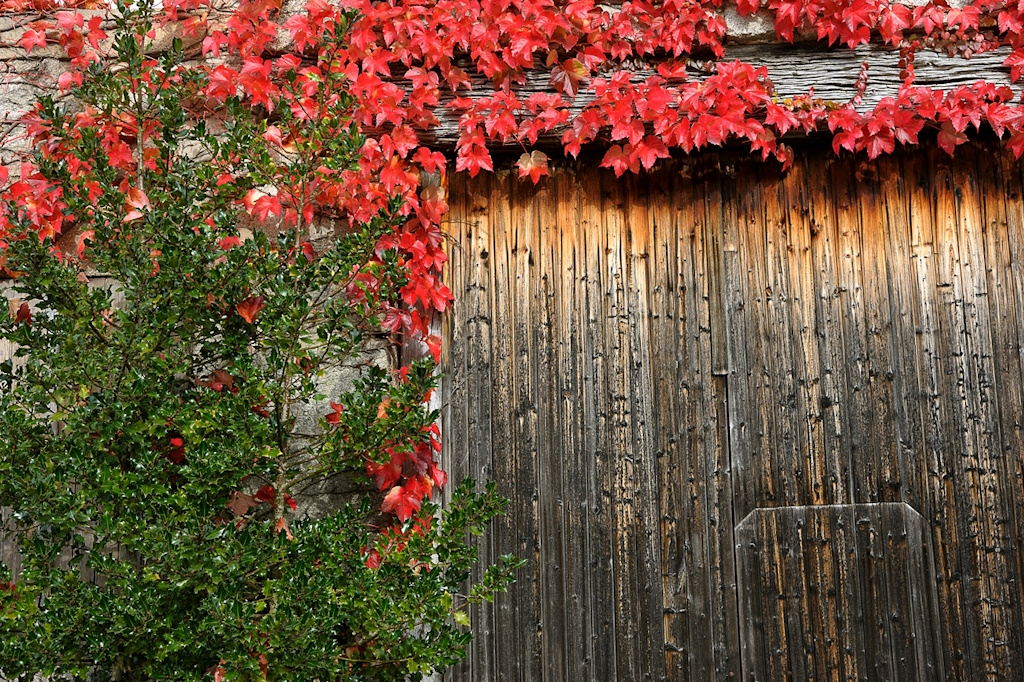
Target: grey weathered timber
column 885, row 593
column 662, row 356
column 794, row 69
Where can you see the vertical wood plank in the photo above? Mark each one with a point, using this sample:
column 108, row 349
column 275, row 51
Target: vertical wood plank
column 572, row 311
column 769, row 265
column 995, row 575
column 507, row 651
column 646, row 482
column 840, row 661
column 600, row 539
column 454, row 422
column 671, row 213
column 710, row 448
column 828, row 314
column 548, row 332
column 619, row 435
column 909, row 395
column 847, row 213
column 1003, row 212
column 963, row 462
column 527, row 299
column 730, row 212
column 810, row 459
column 905, row 391
column 873, row 330
column 479, row 299
column 937, row 421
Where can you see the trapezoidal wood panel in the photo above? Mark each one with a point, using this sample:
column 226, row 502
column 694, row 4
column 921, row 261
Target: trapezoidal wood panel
column 854, row 578
column 642, row 362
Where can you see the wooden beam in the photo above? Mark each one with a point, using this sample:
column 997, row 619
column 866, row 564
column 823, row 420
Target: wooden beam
column 794, row 69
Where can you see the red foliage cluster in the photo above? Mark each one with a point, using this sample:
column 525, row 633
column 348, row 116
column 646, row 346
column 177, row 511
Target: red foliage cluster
column 407, row 476
column 619, row 76
column 641, row 98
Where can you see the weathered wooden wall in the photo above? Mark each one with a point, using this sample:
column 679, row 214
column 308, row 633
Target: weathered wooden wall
column 651, row 366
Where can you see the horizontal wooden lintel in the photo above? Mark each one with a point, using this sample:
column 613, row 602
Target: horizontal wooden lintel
column 830, row 73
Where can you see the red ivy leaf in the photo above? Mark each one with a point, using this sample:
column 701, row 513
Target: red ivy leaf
column 240, row 503
column 220, row 380
column 176, row 453
column 619, row 159
column 1002, row 117
column 439, row 476
column 334, row 417
column 474, row 158
column 881, row 142
column 1016, row 144
column 949, row 138
column 907, row 125
column 434, row 346
column 745, row 7
column 1016, row 63
column 136, row 198
column 283, row 525
column 23, row 314
column 1009, row 23
column 404, row 501
column 428, row 160
column 533, row 165
column 273, row 136
column 673, row 70
column 386, row 475
column 649, row 151
column 265, row 494
column 68, row 79
column 566, row 77
column 782, row 118
column 32, row 38
column 893, row 20
column 222, row 83
column 86, row 236
column 218, row 672
column 69, row 21
column 250, row 308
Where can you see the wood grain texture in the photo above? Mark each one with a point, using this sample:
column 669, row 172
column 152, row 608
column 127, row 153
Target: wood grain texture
column 664, row 355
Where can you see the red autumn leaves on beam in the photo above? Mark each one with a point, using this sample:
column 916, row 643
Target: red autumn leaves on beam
column 405, row 59
column 644, row 116
column 579, row 44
